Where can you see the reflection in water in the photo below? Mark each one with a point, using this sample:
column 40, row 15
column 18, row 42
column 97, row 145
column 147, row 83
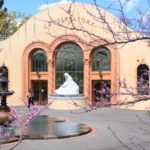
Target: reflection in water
column 6, row 132
column 66, row 129
column 46, row 127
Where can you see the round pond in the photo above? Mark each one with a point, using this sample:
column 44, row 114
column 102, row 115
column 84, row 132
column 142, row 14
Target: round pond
column 45, row 127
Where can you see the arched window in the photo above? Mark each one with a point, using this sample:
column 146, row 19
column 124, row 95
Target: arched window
column 101, row 59
column 38, row 61
column 69, row 59
column 143, row 79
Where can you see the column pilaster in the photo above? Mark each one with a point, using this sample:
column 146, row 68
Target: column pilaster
column 87, row 78
column 51, row 80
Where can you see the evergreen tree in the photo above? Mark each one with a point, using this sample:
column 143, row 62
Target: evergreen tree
column 1, row 3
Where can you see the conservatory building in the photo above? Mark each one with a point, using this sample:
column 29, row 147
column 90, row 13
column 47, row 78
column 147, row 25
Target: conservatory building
column 50, row 44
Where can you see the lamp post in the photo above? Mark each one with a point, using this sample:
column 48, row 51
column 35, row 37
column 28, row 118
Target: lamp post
column 5, row 111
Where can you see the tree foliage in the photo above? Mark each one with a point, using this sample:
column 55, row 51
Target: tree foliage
column 1, row 3
column 10, row 21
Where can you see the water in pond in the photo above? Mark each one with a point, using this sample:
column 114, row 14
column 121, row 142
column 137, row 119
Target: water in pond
column 44, row 127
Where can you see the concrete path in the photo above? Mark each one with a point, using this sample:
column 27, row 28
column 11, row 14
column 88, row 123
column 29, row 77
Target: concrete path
column 113, row 129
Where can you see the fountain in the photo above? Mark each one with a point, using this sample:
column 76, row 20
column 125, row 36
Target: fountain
column 5, row 111
column 6, row 131
column 67, row 96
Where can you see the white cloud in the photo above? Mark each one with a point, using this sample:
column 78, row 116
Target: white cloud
column 44, row 6
column 131, row 4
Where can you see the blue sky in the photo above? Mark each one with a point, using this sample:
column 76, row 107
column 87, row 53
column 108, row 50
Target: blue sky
column 33, row 6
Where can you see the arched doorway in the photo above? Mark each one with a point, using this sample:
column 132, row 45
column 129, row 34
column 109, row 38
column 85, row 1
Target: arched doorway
column 101, row 74
column 38, row 75
column 69, row 58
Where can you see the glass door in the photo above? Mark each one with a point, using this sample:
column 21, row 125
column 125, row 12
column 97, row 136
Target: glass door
column 101, row 91
column 40, row 91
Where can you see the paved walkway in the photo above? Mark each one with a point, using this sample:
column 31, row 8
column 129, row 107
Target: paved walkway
column 113, row 129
